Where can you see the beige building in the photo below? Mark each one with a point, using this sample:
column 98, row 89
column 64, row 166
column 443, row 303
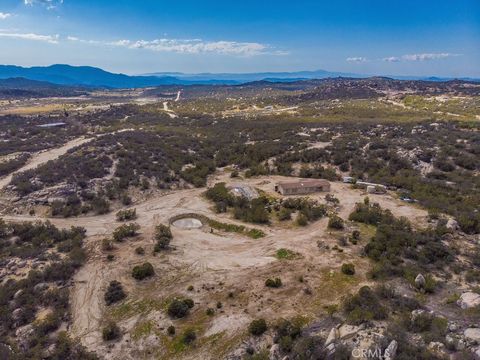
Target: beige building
column 302, row 187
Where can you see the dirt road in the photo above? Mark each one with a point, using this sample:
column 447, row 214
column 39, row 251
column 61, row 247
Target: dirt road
column 44, row 156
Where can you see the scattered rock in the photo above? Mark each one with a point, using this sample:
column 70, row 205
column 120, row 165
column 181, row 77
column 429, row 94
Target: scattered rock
column 451, row 342
column 437, row 348
column 274, row 352
column 40, row 287
column 416, row 313
column 468, row 300
column 452, row 327
column 23, row 335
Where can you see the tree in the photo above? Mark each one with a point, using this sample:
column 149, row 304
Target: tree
column 348, row 269
column 114, row 293
column 111, row 332
column 257, row 327
column 335, row 222
column 179, row 308
column 143, row 271
column 163, row 235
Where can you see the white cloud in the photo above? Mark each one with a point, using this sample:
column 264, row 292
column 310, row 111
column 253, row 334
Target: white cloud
column 357, row 59
column 52, row 39
column 49, row 4
column 426, row 57
column 391, row 59
column 190, row 46
column 3, row 16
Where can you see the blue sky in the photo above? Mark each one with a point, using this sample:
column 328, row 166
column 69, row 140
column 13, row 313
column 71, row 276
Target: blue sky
column 397, row 37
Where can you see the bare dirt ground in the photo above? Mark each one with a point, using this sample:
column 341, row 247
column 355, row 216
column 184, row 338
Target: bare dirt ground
column 215, row 264
column 44, row 156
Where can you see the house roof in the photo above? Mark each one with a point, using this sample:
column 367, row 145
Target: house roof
column 303, row 183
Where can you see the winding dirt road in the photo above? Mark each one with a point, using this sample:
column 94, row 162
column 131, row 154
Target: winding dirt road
column 44, row 156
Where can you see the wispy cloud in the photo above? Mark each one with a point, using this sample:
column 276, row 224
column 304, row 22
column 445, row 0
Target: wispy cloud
column 3, row 16
column 49, row 4
column 357, row 59
column 391, row 59
column 52, row 39
column 426, row 57
column 190, row 46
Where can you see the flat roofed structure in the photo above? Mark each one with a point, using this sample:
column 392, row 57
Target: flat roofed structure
column 303, row 186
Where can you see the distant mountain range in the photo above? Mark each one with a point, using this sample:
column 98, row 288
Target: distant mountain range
column 21, row 87
column 87, row 76
column 249, row 77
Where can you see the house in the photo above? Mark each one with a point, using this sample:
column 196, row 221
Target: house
column 303, row 186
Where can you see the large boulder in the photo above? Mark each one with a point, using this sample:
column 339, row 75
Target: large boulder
column 452, row 224
column 468, row 300
column 332, row 336
column 420, row 281
column 391, row 350
column 472, row 334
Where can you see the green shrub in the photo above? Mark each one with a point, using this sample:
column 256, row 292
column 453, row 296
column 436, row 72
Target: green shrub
column 111, row 332
column 114, row 293
column 348, row 269
column 210, row 312
column 163, row 236
column 125, row 231
column 285, row 254
column 189, row 336
column 302, row 220
column 257, row 327
column 335, row 222
column 179, row 308
column 143, row 271
column 284, row 214
column 126, row 215
column 273, row 283
column 171, row 330
column 363, row 306
column 140, row 251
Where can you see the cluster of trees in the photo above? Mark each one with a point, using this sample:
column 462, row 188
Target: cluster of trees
column 6, row 167
column 396, row 244
column 125, row 231
column 309, row 210
column 254, row 210
column 126, row 215
column 32, row 240
column 40, row 289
